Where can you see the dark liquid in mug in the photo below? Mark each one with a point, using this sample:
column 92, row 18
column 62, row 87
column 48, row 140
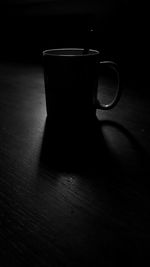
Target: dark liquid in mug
column 70, row 52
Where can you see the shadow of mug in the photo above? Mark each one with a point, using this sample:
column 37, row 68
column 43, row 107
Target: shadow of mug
column 88, row 151
column 71, row 152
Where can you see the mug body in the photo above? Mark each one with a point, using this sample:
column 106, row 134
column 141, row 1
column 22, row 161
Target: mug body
column 71, row 80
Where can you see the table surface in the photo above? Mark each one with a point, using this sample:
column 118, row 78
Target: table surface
column 67, row 217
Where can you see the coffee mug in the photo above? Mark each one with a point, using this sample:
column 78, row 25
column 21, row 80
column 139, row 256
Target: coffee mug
column 71, row 78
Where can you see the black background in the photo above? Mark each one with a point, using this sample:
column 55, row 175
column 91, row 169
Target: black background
column 120, row 30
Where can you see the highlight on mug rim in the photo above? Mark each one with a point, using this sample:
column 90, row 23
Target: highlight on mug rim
column 65, row 52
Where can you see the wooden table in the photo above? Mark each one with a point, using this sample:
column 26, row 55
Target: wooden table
column 66, row 217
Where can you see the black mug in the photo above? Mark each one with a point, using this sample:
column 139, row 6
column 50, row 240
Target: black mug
column 71, row 83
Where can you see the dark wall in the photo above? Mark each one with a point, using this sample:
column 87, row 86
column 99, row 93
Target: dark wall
column 120, row 30
column 62, row 23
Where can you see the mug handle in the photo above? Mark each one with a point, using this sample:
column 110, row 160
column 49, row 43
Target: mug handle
column 114, row 67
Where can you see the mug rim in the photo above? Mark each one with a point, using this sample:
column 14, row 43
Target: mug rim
column 49, row 52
